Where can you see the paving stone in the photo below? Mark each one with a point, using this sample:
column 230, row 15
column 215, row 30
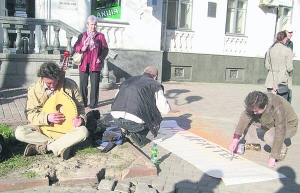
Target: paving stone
column 106, row 185
column 82, row 176
column 122, row 187
column 21, row 184
column 144, row 188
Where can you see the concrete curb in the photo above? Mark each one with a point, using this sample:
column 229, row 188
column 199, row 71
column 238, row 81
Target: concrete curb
column 138, row 171
column 21, row 184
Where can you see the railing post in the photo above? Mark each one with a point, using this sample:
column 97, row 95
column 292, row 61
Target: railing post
column 18, row 39
column 56, row 43
column 5, row 38
column 44, row 43
column 69, row 39
column 31, row 39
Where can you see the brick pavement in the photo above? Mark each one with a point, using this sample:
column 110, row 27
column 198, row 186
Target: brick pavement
column 208, row 110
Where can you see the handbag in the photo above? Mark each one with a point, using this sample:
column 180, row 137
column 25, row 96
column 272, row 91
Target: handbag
column 282, row 89
column 77, row 58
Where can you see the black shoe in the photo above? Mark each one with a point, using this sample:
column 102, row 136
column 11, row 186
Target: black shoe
column 93, row 106
column 135, row 140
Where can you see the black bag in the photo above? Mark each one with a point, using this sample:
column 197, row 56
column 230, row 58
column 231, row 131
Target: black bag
column 91, row 123
column 282, row 89
column 3, row 149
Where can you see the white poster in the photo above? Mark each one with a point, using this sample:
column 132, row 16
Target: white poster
column 68, row 4
column 211, row 158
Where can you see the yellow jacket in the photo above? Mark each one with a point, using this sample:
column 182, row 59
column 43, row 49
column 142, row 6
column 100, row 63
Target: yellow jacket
column 37, row 97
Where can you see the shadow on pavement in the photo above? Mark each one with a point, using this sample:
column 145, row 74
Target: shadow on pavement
column 10, row 95
column 289, row 184
column 174, row 95
column 183, row 121
column 205, row 184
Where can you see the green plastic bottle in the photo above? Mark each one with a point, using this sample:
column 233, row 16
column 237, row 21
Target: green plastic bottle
column 154, row 152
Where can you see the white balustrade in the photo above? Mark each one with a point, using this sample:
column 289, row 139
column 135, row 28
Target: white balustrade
column 178, row 41
column 235, row 45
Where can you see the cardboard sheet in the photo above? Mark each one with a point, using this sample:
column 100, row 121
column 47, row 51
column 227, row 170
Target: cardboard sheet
column 211, row 158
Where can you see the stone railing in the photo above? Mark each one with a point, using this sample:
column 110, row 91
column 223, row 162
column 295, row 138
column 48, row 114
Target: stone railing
column 113, row 32
column 178, row 41
column 235, row 44
column 30, row 24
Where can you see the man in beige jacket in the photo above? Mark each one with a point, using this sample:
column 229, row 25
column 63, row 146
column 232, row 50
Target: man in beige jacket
column 273, row 115
column 38, row 94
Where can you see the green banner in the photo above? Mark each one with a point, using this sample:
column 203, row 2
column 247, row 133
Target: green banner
column 111, row 12
column 107, row 9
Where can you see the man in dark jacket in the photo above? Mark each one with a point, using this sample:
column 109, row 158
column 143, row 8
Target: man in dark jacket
column 138, row 106
column 274, row 115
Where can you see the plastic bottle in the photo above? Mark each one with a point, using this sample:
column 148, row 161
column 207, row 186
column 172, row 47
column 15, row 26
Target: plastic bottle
column 154, row 152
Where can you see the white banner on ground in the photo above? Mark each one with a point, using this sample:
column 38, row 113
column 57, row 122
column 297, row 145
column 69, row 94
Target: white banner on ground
column 211, row 158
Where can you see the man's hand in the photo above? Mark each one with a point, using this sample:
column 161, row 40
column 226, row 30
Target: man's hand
column 98, row 61
column 233, row 145
column 77, row 121
column 57, row 118
column 271, row 163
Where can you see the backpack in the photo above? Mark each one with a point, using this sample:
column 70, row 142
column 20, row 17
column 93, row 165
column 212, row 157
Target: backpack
column 3, row 149
column 111, row 136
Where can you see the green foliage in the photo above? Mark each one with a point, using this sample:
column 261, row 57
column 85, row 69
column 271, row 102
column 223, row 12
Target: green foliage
column 8, row 134
column 31, row 175
column 87, row 150
column 124, row 146
column 115, row 156
column 14, row 162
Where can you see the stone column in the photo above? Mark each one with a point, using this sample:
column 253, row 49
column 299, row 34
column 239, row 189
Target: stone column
column 31, row 39
column 105, row 83
column 56, row 43
column 6, row 38
column 44, row 43
column 18, row 39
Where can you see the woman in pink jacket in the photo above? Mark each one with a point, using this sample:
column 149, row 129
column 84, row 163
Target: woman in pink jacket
column 94, row 48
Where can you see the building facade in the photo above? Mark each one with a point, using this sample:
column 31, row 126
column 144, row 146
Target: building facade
column 188, row 40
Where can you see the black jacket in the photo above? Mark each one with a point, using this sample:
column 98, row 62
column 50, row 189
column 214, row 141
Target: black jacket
column 137, row 96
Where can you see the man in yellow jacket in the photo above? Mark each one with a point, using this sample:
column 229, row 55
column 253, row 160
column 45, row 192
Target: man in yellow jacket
column 38, row 94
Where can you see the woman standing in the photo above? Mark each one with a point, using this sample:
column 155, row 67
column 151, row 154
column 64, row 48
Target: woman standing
column 93, row 46
column 279, row 63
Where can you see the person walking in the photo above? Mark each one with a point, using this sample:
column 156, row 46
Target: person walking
column 274, row 116
column 289, row 30
column 279, row 64
column 93, row 46
column 38, row 95
column 138, row 106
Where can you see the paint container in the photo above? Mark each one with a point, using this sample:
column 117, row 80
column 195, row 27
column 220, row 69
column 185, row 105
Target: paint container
column 241, row 149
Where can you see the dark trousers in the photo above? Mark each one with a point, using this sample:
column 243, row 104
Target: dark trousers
column 137, row 131
column 84, row 80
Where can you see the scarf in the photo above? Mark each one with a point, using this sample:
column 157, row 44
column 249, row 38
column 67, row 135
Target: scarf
column 90, row 39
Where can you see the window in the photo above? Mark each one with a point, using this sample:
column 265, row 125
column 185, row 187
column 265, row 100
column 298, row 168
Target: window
column 179, row 14
column 236, row 16
column 284, row 15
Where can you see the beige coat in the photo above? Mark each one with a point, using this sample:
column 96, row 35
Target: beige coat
column 279, row 63
column 37, row 97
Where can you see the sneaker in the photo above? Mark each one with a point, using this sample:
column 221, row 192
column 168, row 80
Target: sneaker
column 282, row 154
column 32, row 149
column 253, row 146
column 65, row 153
